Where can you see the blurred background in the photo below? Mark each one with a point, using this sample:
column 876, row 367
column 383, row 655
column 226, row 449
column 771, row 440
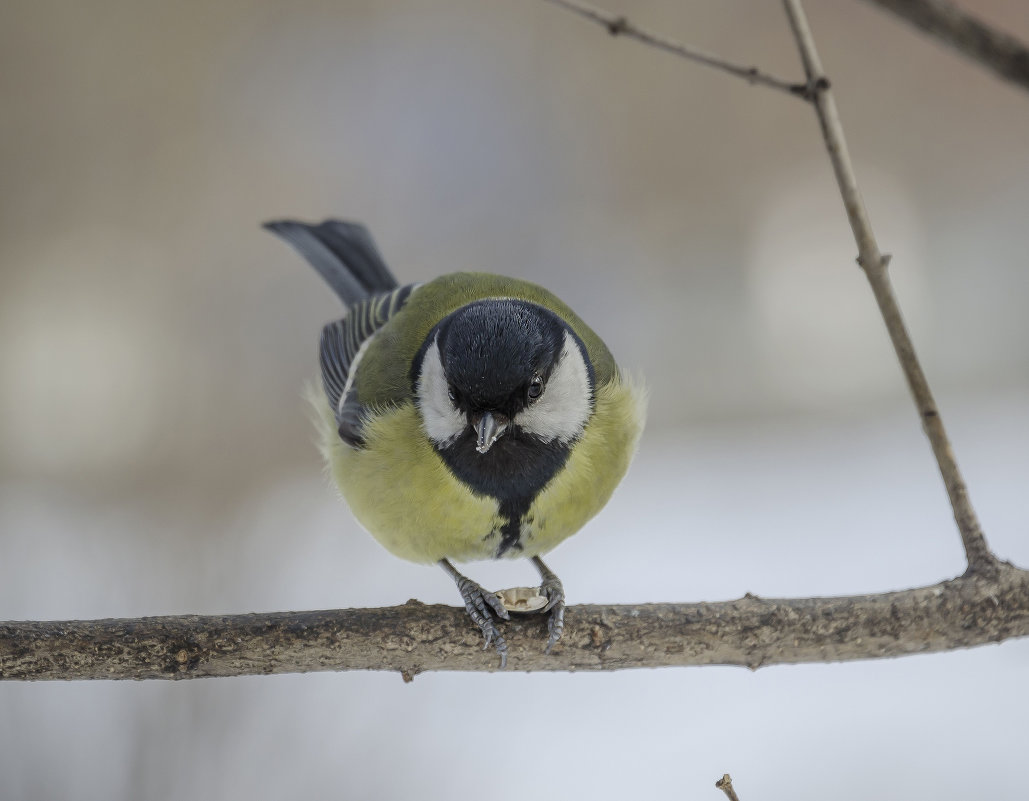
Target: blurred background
column 156, row 455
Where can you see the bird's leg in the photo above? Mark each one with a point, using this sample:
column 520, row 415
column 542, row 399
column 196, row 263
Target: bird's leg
column 554, row 590
column 481, row 607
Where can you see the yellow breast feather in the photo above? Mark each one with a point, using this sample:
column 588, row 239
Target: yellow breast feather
column 399, row 489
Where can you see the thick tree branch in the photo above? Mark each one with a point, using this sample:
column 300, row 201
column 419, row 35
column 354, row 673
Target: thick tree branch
column 875, row 265
column 753, row 632
column 1000, row 52
column 620, row 26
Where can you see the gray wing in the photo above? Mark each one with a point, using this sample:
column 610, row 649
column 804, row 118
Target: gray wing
column 339, row 348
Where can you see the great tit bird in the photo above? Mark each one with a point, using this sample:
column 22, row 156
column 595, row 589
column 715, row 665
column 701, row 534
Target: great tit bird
column 469, row 417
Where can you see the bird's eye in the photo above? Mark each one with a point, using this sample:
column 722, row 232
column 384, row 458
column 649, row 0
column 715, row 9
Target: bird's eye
column 452, row 392
column 535, row 389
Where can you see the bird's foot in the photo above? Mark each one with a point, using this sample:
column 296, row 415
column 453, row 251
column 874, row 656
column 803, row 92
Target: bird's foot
column 553, row 590
column 483, row 608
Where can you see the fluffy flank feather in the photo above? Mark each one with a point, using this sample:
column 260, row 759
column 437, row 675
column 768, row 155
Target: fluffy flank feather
column 324, row 421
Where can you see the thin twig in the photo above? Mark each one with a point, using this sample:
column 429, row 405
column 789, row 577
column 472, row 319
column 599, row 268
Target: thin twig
column 752, row 632
column 998, row 51
column 875, row 263
column 620, row 26
column 725, row 785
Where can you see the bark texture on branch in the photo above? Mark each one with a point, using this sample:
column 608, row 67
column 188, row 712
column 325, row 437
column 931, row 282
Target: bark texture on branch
column 1000, row 52
column 752, row 632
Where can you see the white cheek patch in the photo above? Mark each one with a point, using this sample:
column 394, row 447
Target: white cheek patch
column 443, row 423
column 565, row 406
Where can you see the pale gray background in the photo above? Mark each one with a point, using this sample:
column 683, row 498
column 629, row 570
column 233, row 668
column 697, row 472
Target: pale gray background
column 156, row 457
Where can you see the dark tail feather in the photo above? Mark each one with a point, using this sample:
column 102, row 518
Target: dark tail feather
column 344, row 253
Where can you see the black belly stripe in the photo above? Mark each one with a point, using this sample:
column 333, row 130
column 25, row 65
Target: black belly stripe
column 511, row 532
column 510, row 537
column 513, row 472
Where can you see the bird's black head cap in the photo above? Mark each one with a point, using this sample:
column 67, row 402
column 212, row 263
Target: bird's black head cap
column 492, row 349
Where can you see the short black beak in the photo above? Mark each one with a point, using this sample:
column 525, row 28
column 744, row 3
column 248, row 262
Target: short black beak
column 488, row 429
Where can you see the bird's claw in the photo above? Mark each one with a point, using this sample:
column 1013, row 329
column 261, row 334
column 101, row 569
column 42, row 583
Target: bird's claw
column 554, row 591
column 481, row 607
